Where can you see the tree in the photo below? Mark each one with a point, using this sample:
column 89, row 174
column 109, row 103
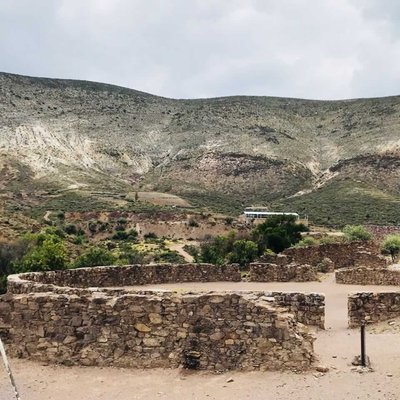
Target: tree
column 391, row 245
column 356, row 232
column 95, row 256
column 278, row 233
column 46, row 254
column 216, row 250
column 243, row 252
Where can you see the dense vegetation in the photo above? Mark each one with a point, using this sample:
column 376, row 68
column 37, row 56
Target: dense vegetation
column 275, row 234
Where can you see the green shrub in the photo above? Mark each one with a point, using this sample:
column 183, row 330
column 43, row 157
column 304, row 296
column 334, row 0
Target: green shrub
column 169, row 256
column 128, row 255
column 150, row 236
column 277, row 233
column 92, row 226
column 391, row 245
column 71, row 229
column 193, row 223
column 120, row 235
column 46, row 253
column 95, row 256
column 356, row 232
column 243, row 252
column 307, row 241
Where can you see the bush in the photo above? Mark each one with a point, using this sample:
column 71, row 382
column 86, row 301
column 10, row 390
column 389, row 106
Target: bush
column 71, row 229
column 95, row 256
column 120, row 235
column 307, row 241
column 169, row 256
column 149, row 236
column 391, row 245
column 244, row 252
column 356, row 232
column 193, row 223
column 46, row 253
column 128, row 255
column 215, row 250
column 278, row 233
column 192, row 250
column 92, row 226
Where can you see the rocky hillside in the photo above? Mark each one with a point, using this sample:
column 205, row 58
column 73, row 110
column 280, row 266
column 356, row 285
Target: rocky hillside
column 92, row 143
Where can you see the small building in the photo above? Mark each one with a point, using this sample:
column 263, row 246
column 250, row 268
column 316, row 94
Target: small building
column 260, row 213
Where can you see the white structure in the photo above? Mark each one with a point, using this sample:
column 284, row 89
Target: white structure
column 259, row 213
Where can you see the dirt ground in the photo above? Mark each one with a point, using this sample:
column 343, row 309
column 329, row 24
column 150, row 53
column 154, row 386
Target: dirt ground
column 335, row 347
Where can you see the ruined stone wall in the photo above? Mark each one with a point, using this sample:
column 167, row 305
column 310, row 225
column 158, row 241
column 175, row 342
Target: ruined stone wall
column 131, row 327
column 217, row 331
column 370, row 307
column 261, row 272
column 368, row 276
column 128, row 275
column 343, row 255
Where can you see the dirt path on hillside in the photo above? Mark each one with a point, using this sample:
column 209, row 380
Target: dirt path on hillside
column 335, row 347
column 178, row 247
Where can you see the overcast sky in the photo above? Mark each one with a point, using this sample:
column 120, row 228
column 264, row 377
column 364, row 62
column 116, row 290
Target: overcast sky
column 322, row 49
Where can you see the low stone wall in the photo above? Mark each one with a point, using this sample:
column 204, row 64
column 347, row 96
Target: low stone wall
column 46, row 318
column 368, row 276
column 260, row 272
column 370, row 307
column 217, row 331
column 128, row 275
column 343, row 255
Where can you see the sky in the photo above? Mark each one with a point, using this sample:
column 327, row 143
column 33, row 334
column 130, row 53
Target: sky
column 315, row 49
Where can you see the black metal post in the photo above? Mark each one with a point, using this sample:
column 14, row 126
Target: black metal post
column 363, row 358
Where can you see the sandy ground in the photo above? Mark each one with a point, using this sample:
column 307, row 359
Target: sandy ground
column 335, row 347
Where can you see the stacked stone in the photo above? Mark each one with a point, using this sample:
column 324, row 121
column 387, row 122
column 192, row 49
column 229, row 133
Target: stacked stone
column 128, row 275
column 218, row 331
column 343, row 255
column 368, row 276
column 260, row 272
column 370, row 307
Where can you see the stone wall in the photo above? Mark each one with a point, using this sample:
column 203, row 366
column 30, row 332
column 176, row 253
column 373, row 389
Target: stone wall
column 308, row 309
column 370, row 307
column 343, row 255
column 261, row 272
column 368, row 276
column 118, row 325
column 128, row 275
column 217, row 331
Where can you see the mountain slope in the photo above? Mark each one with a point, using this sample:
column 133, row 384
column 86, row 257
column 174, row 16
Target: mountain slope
column 225, row 152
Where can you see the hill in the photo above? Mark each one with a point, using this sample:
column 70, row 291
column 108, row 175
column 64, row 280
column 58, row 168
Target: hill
column 68, row 144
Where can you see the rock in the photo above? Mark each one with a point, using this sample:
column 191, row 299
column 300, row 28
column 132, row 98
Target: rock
column 229, row 380
column 155, row 318
column 142, row 327
column 151, row 342
column 322, row 368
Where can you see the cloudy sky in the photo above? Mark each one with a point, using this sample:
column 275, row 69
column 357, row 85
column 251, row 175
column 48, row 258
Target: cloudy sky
column 322, row 49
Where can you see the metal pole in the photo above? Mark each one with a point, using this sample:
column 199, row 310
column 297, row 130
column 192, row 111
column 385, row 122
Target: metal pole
column 8, row 369
column 363, row 358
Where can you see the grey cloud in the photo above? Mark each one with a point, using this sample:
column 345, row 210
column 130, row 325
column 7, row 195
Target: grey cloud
column 197, row 48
